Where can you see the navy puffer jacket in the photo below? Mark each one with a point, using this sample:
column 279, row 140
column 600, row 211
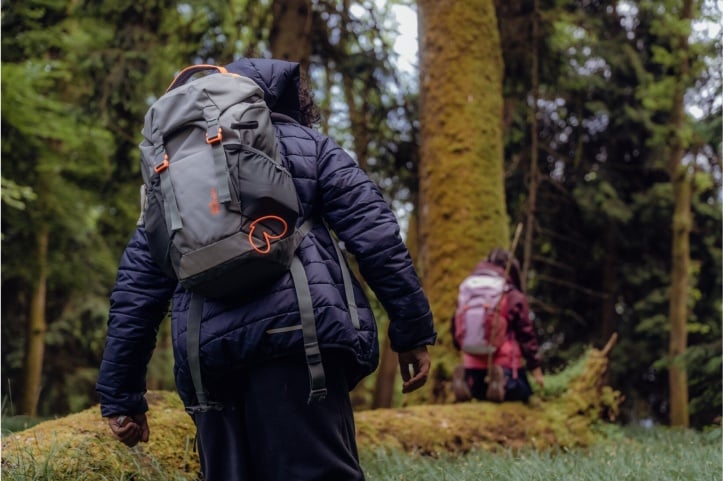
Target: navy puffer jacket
column 330, row 186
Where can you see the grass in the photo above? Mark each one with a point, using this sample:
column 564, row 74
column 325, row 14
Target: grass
column 657, row 454
column 13, row 424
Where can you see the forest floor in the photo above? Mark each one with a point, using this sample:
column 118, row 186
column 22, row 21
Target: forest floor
column 80, row 442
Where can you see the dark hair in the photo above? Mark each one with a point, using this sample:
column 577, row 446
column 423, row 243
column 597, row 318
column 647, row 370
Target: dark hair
column 308, row 111
column 499, row 257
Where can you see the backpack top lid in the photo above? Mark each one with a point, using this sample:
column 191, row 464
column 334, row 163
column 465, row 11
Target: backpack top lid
column 198, row 102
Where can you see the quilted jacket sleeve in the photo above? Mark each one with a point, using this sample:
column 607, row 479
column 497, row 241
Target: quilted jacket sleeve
column 138, row 303
column 521, row 324
column 357, row 212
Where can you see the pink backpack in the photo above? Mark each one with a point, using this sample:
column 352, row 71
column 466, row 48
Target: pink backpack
column 480, row 321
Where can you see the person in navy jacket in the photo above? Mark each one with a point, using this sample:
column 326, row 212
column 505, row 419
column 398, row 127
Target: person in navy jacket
column 251, row 365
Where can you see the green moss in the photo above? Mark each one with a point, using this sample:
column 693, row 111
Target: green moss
column 73, row 446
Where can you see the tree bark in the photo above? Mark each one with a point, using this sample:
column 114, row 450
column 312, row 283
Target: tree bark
column 389, row 365
column 36, row 329
column 462, row 200
column 681, row 226
column 290, row 36
column 355, row 105
column 608, row 321
column 534, row 154
column 386, row 376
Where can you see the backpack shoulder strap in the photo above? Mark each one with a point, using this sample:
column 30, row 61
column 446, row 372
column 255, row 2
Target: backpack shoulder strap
column 193, row 338
column 346, row 277
column 317, row 376
column 503, row 302
column 304, row 229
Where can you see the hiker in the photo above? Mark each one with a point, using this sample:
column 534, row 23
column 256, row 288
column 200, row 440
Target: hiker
column 263, row 419
column 492, row 326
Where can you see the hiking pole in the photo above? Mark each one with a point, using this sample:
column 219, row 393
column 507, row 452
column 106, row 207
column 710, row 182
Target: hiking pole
column 496, row 311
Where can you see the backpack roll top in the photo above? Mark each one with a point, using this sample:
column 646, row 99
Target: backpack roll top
column 221, row 209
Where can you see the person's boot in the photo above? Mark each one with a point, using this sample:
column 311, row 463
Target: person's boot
column 496, row 384
column 460, row 386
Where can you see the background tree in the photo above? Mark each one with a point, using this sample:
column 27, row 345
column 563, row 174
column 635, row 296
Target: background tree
column 291, row 31
column 681, row 178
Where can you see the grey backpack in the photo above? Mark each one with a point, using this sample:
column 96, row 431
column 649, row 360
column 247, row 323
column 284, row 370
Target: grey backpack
column 221, row 209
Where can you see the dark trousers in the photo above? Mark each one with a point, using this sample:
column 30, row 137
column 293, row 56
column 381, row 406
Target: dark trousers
column 516, row 388
column 272, row 434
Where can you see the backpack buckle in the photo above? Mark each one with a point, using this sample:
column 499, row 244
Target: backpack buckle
column 162, row 166
column 216, row 138
column 316, row 395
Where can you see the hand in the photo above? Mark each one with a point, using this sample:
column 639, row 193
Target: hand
column 538, row 377
column 414, row 366
column 129, row 429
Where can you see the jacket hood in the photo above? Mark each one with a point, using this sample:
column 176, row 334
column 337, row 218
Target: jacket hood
column 278, row 79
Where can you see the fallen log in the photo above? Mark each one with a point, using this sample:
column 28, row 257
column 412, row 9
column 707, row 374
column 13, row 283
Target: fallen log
column 562, row 421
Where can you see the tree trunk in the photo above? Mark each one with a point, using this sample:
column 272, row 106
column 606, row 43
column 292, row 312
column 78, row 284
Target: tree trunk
column 678, row 377
column 608, row 322
column 534, row 153
column 388, row 365
column 290, row 36
column 462, row 200
column 357, row 120
column 681, row 226
column 386, row 375
column 36, row 328
column 355, row 105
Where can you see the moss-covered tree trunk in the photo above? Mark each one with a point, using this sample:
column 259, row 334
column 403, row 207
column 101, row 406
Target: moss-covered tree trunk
column 462, row 201
column 680, row 277
column 36, row 328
